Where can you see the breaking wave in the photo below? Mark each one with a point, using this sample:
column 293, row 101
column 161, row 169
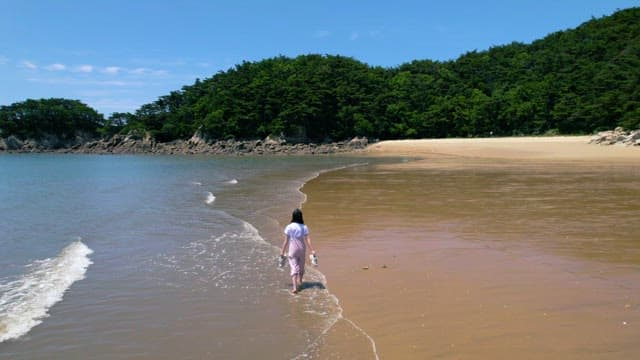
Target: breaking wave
column 24, row 302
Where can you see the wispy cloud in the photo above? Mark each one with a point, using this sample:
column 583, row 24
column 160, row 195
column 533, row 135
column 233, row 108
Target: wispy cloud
column 319, row 34
column 139, row 71
column 108, row 87
column 56, row 67
column 147, row 71
column 112, row 70
column 354, row 36
column 81, row 82
column 3, row 60
column 88, row 69
column 28, row 65
column 84, row 68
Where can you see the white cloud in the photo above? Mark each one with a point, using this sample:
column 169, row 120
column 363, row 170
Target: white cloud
column 322, row 34
column 354, row 36
column 85, row 82
column 147, row 71
column 3, row 60
column 139, row 71
column 56, row 67
column 29, row 65
column 111, row 70
column 84, row 68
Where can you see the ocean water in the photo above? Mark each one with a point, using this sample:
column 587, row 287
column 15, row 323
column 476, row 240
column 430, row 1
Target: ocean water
column 158, row 257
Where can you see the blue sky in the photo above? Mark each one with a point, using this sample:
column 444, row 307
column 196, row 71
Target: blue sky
column 118, row 55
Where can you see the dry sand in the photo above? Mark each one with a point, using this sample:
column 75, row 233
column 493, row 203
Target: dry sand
column 560, row 148
column 446, row 298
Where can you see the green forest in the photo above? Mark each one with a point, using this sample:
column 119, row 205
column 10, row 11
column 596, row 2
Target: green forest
column 574, row 81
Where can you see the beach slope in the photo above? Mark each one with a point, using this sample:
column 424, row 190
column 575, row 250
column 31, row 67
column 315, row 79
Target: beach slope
column 485, row 248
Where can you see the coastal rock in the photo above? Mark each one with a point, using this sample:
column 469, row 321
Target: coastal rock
column 50, row 142
column 359, row 142
column 633, row 137
column 618, row 136
column 198, row 138
column 197, row 144
column 13, row 143
column 273, row 140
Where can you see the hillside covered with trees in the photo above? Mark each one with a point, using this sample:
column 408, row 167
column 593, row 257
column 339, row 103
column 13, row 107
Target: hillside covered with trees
column 62, row 118
column 570, row 82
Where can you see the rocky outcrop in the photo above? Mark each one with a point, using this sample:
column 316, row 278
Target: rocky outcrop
column 46, row 143
column 618, row 136
column 197, row 144
column 13, row 143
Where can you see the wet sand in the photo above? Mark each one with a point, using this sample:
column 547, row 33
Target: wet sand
column 483, row 249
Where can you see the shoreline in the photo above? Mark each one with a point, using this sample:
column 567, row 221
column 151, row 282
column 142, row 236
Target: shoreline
column 129, row 144
column 525, row 147
column 449, row 297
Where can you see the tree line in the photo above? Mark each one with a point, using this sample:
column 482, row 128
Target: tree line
column 571, row 82
column 63, row 118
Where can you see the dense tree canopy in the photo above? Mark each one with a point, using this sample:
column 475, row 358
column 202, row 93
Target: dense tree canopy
column 574, row 81
column 33, row 119
column 571, row 82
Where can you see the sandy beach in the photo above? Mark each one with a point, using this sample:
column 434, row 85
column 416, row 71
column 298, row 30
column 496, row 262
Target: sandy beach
column 483, row 249
column 559, row 148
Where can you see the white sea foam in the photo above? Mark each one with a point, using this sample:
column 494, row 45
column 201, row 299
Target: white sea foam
column 196, row 183
column 232, row 181
column 252, row 233
column 210, row 198
column 331, row 320
column 24, row 302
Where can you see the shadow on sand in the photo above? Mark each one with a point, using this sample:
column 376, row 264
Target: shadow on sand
column 310, row 285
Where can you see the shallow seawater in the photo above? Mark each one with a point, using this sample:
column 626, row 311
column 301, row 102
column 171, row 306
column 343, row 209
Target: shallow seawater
column 483, row 259
column 159, row 257
column 573, row 209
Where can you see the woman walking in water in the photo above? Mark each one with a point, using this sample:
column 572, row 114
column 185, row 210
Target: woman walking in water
column 296, row 234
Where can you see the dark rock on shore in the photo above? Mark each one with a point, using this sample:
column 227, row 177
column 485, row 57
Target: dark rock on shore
column 197, row 144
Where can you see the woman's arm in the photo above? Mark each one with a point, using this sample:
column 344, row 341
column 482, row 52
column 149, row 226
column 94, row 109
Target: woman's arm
column 308, row 239
column 284, row 244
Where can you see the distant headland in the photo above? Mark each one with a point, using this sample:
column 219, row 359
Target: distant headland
column 573, row 82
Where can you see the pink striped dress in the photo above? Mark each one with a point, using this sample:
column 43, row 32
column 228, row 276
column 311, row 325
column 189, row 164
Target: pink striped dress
column 296, row 234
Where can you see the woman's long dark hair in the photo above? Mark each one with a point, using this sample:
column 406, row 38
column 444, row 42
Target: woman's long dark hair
column 296, row 217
